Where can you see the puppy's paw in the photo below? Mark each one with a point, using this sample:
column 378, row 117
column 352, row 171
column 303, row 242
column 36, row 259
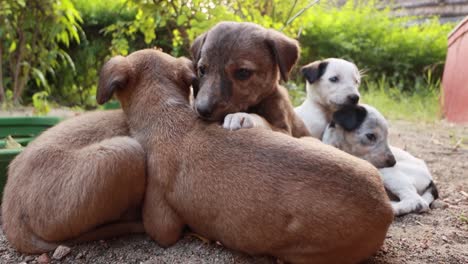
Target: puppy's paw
column 410, row 206
column 239, row 120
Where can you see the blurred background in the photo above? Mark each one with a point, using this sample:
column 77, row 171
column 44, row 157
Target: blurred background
column 51, row 51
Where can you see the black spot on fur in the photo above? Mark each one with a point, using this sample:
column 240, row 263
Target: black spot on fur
column 314, row 71
column 350, row 117
column 433, row 189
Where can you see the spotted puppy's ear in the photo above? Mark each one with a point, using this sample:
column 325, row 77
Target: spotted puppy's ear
column 285, row 51
column 313, row 71
column 114, row 75
column 350, row 117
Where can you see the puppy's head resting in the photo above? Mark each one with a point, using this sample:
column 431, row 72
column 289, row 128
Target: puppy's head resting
column 139, row 75
column 361, row 131
column 238, row 65
column 333, row 83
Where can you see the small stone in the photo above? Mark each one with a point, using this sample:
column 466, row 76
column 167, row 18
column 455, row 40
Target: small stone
column 61, row 252
column 29, row 258
column 438, row 204
column 79, row 255
column 43, row 259
column 24, row 262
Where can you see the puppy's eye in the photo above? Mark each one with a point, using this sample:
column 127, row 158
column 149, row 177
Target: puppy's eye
column 201, row 70
column 371, row 137
column 334, row 79
column 243, row 74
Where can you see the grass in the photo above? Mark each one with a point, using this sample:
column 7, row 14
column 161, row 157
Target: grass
column 394, row 104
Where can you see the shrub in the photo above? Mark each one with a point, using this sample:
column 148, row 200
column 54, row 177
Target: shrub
column 384, row 45
column 389, row 48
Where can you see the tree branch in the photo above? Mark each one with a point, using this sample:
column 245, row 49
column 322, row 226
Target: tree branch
column 299, row 14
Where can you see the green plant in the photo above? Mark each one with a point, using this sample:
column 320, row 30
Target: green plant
column 40, row 103
column 172, row 25
column 464, row 219
column 397, row 104
column 32, row 37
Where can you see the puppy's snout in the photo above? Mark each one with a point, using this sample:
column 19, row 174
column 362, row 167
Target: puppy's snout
column 204, row 109
column 390, row 161
column 353, row 99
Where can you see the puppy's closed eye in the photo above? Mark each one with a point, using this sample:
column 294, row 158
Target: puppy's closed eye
column 243, row 74
column 201, row 70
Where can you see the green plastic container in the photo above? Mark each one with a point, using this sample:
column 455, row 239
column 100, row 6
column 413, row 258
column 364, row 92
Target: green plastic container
column 111, row 105
column 6, row 156
column 25, row 126
column 23, row 130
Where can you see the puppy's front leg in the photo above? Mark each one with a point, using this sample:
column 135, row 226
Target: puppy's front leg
column 244, row 120
column 160, row 221
column 398, row 184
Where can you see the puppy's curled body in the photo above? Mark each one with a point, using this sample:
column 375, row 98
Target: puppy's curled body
column 257, row 191
column 76, row 181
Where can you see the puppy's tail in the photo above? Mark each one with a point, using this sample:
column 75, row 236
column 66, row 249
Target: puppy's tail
column 430, row 193
column 25, row 240
column 35, row 244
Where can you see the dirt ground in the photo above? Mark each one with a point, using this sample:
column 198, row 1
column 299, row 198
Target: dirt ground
column 439, row 236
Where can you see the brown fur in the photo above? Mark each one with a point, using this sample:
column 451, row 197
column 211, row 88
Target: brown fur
column 81, row 180
column 268, row 54
column 254, row 190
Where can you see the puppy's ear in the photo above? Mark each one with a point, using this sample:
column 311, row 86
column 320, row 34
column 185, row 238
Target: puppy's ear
column 187, row 72
column 350, row 117
column 313, row 71
column 114, row 75
column 197, row 45
column 285, row 52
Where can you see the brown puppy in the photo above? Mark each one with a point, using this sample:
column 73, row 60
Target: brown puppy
column 239, row 69
column 83, row 179
column 254, row 190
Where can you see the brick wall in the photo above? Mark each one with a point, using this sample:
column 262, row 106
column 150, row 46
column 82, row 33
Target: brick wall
column 448, row 10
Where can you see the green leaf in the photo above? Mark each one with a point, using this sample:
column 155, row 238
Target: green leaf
column 12, row 47
column 181, row 19
column 40, row 76
column 22, row 3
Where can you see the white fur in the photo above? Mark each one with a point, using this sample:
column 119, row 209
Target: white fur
column 324, row 97
column 409, row 179
column 240, row 120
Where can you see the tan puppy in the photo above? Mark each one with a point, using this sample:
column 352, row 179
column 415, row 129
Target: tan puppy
column 254, row 190
column 239, row 69
column 83, row 179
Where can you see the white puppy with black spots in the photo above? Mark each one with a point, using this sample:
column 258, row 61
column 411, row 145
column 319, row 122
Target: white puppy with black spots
column 362, row 131
column 331, row 84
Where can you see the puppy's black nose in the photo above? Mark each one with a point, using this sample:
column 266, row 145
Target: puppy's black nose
column 204, row 111
column 353, row 99
column 390, row 162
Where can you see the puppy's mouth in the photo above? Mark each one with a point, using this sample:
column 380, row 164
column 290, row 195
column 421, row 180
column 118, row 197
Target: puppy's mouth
column 338, row 106
column 215, row 116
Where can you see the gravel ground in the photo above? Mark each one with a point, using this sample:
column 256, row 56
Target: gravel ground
column 439, row 236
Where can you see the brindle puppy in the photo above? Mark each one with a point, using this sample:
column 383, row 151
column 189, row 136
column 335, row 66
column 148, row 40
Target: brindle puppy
column 239, row 67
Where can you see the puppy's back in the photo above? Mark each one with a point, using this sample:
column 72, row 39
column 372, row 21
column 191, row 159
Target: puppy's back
column 49, row 195
column 305, row 191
